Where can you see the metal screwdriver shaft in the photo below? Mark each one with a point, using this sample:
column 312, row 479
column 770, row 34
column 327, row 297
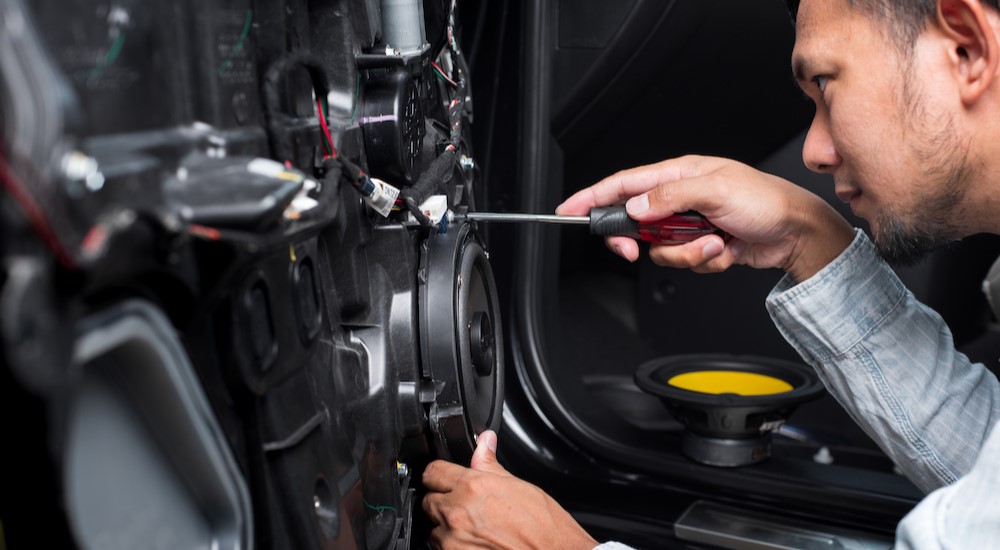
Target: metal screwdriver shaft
column 540, row 218
column 615, row 221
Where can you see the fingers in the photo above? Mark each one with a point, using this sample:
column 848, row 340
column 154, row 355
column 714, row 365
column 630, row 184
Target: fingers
column 703, row 193
column 443, row 476
column 628, row 183
column 485, row 457
column 623, row 246
column 708, row 254
column 432, row 504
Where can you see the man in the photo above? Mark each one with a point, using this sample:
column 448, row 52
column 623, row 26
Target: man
column 907, row 120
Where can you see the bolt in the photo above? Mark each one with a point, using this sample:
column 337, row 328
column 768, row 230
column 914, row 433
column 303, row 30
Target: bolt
column 466, row 162
column 402, row 469
column 79, row 167
column 216, row 147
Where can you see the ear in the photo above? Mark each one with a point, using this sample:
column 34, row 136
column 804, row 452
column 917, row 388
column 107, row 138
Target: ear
column 975, row 53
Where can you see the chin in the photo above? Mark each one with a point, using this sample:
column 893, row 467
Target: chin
column 903, row 246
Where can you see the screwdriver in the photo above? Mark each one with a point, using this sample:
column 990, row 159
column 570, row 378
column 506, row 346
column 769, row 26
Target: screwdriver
column 614, row 221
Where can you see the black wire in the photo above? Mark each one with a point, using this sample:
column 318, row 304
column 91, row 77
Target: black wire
column 441, row 169
column 273, row 79
column 431, row 181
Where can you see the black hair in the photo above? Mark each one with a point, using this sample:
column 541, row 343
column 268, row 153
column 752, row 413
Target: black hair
column 907, row 17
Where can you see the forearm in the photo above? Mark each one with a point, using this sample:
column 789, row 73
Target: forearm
column 891, row 362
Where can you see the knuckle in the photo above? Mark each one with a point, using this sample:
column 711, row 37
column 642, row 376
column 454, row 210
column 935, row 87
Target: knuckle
column 428, row 505
column 431, row 471
column 614, row 181
column 617, row 183
column 455, row 518
column 438, row 538
column 661, row 194
column 469, row 485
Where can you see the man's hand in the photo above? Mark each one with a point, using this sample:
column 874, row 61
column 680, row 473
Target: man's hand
column 773, row 222
column 486, row 507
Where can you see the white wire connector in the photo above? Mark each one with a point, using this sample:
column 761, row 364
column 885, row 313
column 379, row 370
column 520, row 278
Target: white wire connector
column 823, row 456
column 302, row 201
column 382, row 197
column 435, row 208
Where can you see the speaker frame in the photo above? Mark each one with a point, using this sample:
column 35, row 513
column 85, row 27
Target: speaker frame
column 728, row 429
column 805, row 382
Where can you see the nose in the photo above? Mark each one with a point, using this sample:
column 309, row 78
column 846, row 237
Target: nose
column 818, row 152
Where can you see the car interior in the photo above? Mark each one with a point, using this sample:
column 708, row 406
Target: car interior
column 245, row 301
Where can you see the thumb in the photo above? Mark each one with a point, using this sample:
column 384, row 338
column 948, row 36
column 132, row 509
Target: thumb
column 484, row 458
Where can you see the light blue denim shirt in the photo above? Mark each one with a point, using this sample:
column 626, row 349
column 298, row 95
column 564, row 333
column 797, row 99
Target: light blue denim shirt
column 892, row 364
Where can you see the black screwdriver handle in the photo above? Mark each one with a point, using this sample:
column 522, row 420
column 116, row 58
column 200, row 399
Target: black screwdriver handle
column 613, row 221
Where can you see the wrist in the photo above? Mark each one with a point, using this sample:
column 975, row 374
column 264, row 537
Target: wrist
column 822, row 237
column 572, row 535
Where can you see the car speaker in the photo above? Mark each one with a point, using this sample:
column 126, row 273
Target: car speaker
column 728, row 404
column 461, row 338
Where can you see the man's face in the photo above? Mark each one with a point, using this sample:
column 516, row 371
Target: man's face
column 881, row 128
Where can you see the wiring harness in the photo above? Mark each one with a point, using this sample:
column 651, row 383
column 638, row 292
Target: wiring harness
column 441, row 169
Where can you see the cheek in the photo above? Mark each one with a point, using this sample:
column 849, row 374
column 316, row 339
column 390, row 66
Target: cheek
column 865, row 139
column 845, row 134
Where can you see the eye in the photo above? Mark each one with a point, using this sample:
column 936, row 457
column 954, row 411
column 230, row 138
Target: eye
column 821, row 82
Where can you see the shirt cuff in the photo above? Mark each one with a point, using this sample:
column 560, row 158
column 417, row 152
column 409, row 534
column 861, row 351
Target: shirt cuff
column 833, row 310
column 612, row 545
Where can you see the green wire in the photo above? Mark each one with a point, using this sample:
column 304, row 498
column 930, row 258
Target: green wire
column 379, row 508
column 116, row 48
column 109, row 57
column 357, row 98
column 239, row 44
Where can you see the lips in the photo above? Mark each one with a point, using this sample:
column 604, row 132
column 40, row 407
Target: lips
column 847, row 195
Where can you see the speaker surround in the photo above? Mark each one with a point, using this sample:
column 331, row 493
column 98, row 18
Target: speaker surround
column 722, row 427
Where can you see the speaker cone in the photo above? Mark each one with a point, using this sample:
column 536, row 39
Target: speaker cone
column 728, row 404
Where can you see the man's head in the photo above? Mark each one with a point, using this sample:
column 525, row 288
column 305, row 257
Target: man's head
column 907, row 114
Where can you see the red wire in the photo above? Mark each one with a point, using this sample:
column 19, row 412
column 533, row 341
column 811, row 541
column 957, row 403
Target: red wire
column 326, row 129
column 34, row 213
column 444, row 76
column 94, row 239
column 204, row 232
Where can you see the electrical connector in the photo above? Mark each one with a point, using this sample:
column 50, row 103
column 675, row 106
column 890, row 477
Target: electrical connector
column 382, row 197
column 302, row 201
column 435, row 208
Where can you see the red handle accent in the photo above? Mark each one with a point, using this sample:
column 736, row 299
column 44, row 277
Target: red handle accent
column 678, row 229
